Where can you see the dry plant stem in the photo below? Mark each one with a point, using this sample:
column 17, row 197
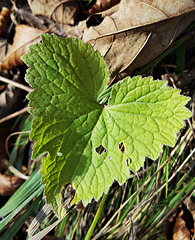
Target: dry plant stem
column 13, row 115
column 128, row 222
column 158, row 175
column 123, row 197
column 37, row 221
column 7, row 139
column 170, row 179
column 76, row 225
column 171, row 79
column 18, row 85
column 18, row 173
column 145, row 170
column 192, row 126
column 187, row 137
column 115, row 214
column 149, row 199
column 168, row 213
column 44, row 232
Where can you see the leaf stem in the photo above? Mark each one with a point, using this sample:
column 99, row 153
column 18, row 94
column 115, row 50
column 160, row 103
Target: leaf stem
column 105, row 94
column 91, row 229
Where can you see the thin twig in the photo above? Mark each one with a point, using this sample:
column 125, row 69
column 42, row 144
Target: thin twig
column 18, row 173
column 169, row 75
column 16, row 84
column 171, row 211
column 186, row 137
column 7, row 139
column 76, row 225
column 192, row 126
column 115, row 214
column 150, row 198
column 13, row 115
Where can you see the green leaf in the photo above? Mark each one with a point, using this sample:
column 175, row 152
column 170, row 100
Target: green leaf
column 89, row 144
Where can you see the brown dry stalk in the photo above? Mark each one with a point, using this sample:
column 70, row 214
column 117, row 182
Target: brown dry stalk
column 7, row 139
column 16, row 84
column 13, row 115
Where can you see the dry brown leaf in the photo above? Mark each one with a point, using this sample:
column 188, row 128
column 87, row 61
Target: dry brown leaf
column 138, row 31
column 62, row 11
column 180, row 230
column 3, row 44
column 180, row 225
column 24, row 14
column 102, row 5
column 65, row 13
column 24, row 37
column 9, row 184
column 4, row 21
column 3, row 162
column 191, row 207
column 163, row 34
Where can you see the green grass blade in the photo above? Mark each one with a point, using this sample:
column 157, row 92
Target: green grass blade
column 180, row 58
column 25, row 190
column 10, row 233
column 170, row 203
column 60, row 229
column 161, row 57
column 19, row 208
column 92, row 227
column 169, row 206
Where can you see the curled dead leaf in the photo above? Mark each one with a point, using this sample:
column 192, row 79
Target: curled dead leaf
column 181, row 224
column 4, row 21
column 24, row 37
column 9, row 184
column 180, row 230
column 138, row 31
column 3, row 44
column 65, row 13
column 190, row 204
column 23, row 13
column 61, row 11
column 102, row 5
column 3, row 163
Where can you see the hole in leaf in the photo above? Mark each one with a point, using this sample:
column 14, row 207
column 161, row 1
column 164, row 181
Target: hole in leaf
column 100, row 150
column 122, row 147
column 128, row 161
